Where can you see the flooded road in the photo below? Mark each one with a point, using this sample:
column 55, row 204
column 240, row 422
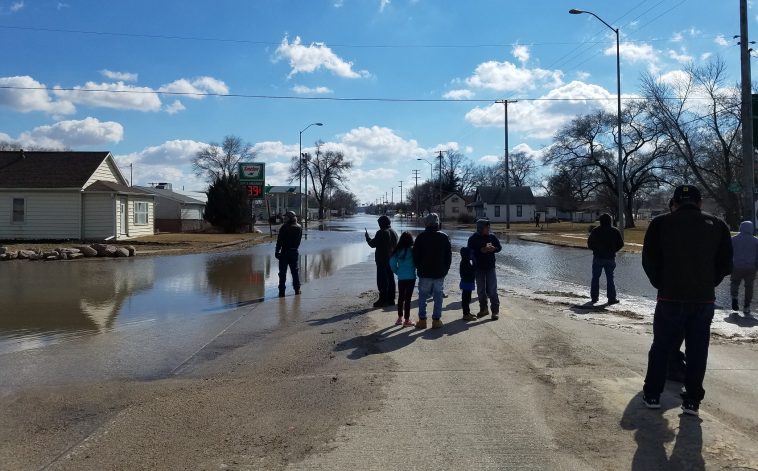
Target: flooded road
column 164, row 306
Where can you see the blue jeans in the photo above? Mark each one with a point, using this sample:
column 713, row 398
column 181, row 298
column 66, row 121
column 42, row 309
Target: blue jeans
column 672, row 322
column 486, row 287
column 598, row 265
column 427, row 286
column 289, row 259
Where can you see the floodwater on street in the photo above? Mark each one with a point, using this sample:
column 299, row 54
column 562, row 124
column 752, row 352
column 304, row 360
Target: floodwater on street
column 47, row 303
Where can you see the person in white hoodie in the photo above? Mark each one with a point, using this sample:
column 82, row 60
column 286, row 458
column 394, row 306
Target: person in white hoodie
column 745, row 265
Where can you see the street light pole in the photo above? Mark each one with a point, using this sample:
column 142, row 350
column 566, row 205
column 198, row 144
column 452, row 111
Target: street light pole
column 507, row 163
column 748, row 152
column 300, row 160
column 431, row 178
column 620, row 170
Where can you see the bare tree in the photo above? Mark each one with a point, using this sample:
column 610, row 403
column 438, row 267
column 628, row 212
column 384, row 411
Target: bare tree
column 699, row 117
column 327, row 171
column 522, row 169
column 217, row 161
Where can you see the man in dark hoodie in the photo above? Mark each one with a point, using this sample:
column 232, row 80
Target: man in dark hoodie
column 287, row 245
column 484, row 246
column 384, row 242
column 604, row 241
column 686, row 254
column 433, row 255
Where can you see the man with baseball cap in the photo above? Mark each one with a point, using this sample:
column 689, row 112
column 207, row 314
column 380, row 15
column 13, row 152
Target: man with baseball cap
column 686, row 254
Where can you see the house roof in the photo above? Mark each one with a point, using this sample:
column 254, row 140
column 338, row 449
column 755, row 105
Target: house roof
column 496, row 195
column 172, row 195
column 48, row 169
column 293, row 190
column 544, row 202
column 112, row 187
column 465, row 199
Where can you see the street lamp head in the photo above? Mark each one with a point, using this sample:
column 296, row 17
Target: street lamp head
column 574, row 11
column 319, row 124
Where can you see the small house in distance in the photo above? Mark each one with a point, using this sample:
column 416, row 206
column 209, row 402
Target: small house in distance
column 455, row 205
column 175, row 212
column 69, row 196
column 490, row 203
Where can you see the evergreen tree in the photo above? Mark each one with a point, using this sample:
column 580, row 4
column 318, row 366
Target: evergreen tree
column 227, row 206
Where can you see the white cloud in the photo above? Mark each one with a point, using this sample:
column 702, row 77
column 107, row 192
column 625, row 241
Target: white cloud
column 677, row 37
column 490, row 159
column 112, row 95
column 62, row 5
column 122, row 76
column 541, row 119
column 383, row 4
column 721, row 40
column 460, row 94
column 31, row 96
column 16, row 6
column 196, row 88
column 681, row 57
column 582, row 75
column 275, row 150
column 379, row 144
column 176, row 152
column 74, row 133
column 705, row 56
column 309, row 59
column 521, row 53
column 634, row 52
column 302, row 89
column 535, row 154
column 508, row 77
column 674, row 77
column 175, row 107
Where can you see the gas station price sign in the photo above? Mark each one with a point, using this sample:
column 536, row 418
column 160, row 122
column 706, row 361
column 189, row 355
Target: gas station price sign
column 253, row 178
column 253, row 191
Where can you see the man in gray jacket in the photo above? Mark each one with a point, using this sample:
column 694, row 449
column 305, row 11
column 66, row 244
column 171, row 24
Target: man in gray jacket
column 745, row 264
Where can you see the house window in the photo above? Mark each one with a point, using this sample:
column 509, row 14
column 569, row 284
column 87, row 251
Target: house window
column 456, row 209
column 497, row 211
column 140, row 213
column 454, row 199
column 519, row 211
column 19, row 210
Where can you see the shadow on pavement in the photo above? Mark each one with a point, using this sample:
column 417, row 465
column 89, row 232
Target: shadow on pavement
column 340, row 317
column 393, row 338
column 653, row 432
column 736, row 319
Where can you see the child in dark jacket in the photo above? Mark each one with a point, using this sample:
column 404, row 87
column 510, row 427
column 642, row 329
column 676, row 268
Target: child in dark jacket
column 467, row 285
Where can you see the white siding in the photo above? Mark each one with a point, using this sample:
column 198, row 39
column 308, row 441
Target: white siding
column 141, row 230
column 106, row 172
column 527, row 214
column 98, row 216
column 192, row 212
column 49, row 215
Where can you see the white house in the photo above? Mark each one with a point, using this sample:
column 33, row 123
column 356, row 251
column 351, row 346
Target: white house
column 454, row 206
column 490, row 203
column 69, row 196
column 175, row 212
column 549, row 209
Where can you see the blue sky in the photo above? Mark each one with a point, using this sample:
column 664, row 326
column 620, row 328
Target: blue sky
column 332, row 49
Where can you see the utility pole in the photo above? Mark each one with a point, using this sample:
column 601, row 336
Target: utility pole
column 401, row 192
column 507, row 164
column 440, row 185
column 415, row 176
column 747, row 112
column 392, row 200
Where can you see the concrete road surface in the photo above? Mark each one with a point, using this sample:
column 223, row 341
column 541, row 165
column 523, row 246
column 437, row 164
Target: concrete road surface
column 336, row 386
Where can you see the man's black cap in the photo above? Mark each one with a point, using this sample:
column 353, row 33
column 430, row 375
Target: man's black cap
column 684, row 194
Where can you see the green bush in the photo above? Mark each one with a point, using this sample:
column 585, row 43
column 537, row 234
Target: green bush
column 227, row 206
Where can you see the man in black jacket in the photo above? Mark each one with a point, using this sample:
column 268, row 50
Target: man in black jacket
column 686, row 254
column 384, row 242
column 433, row 254
column 604, row 241
column 287, row 245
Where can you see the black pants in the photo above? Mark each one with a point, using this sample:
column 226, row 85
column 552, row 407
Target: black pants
column 404, row 294
column 673, row 321
column 385, row 281
column 466, row 301
column 289, row 258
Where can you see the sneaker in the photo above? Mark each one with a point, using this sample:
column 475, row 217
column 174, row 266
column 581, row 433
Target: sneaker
column 651, row 402
column 421, row 324
column 469, row 317
column 495, row 316
column 735, row 304
column 399, row 321
column 297, row 291
column 436, row 323
column 611, row 302
column 483, row 313
column 691, row 407
column 746, row 311
column 408, row 323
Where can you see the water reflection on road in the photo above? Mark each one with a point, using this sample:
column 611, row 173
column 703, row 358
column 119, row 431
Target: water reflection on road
column 43, row 303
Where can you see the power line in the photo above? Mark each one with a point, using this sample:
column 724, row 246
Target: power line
column 302, row 98
column 331, row 45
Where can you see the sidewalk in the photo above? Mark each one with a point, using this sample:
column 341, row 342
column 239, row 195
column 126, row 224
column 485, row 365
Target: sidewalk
column 533, row 390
